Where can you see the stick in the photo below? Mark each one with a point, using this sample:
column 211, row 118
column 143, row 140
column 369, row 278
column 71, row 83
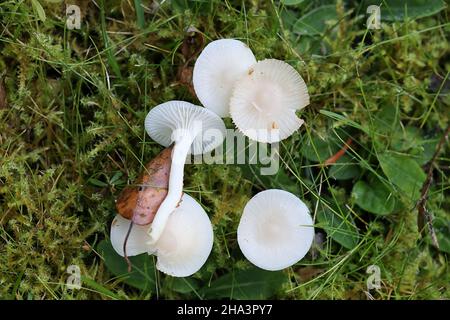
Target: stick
column 424, row 214
column 125, row 247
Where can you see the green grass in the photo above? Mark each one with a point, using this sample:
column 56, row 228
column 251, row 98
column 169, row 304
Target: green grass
column 72, row 136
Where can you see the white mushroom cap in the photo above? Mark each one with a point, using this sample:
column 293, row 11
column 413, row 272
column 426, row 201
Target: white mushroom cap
column 216, row 70
column 276, row 230
column 264, row 101
column 187, row 240
column 184, row 118
column 184, row 245
column 137, row 241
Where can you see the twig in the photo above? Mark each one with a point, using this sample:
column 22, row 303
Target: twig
column 424, row 214
column 2, row 93
column 125, row 255
column 334, row 158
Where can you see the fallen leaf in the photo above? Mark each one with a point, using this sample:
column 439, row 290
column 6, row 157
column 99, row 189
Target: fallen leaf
column 190, row 49
column 2, row 95
column 141, row 201
column 307, row 273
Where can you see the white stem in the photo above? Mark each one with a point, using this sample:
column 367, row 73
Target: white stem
column 179, row 154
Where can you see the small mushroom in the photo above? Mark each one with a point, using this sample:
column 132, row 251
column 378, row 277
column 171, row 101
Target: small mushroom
column 184, row 245
column 266, row 99
column 187, row 240
column 182, row 124
column 216, row 70
column 276, row 230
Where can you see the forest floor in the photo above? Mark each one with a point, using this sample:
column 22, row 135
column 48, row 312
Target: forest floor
column 72, row 108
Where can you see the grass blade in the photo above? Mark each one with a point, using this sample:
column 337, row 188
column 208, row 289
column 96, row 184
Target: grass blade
column 139, row 14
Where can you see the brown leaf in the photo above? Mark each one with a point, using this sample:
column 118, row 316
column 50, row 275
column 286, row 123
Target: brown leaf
column 2, row 95
column 141, row 201
column 307, row 273
column 190, row 49
column 185, row 77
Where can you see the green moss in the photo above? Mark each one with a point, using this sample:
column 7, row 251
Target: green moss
column 69, row 119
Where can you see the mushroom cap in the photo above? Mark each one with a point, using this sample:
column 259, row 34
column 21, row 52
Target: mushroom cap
column 184, row 245
column 217, row 68
column 137, row 241
column 184, row 118
column 265, row 99
column 186, row 241
column 276, row 230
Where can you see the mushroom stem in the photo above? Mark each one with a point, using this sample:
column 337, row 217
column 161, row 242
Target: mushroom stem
column 180, row 152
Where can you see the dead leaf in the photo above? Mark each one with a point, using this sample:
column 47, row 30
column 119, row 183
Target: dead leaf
column 307, row 273
column 190, row 49
column 141, row 201
column 2, row 95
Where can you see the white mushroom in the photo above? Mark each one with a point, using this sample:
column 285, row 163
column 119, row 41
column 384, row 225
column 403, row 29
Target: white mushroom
column 137, row 240
column 265, row 100
column 183, row 124
column 187, row 240
column 184, row 245
column 276, row 230
column 216, row 70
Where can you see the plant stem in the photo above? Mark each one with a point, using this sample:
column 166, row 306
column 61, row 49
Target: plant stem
column 424, row 214
column 334, row 158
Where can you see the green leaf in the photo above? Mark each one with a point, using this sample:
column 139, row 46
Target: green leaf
column 315, row 21
column 246, row 284
column 424, row 152
column 97, row 183
column 116, row 177
column 442, row 228
column 39, row 10
column 374, row 197
column 291, row 2
column 398, row 10
column 319, row 150
column 288, row 17
column 142, row 275
column 403, row 172
column 182, row 285
column 305, row 44
column 386, row 119
column 405, row 139
column 344, row 168
column 411, row 140
column 343, row 231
